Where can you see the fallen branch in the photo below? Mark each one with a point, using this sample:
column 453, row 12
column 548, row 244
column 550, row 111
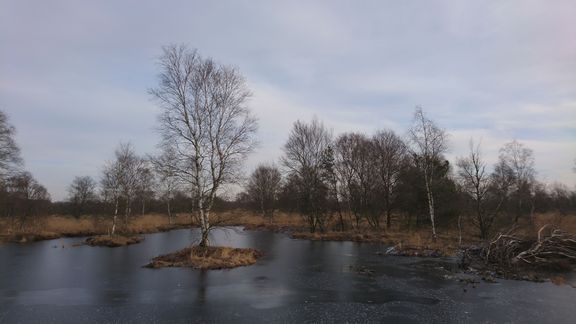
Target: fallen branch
column 557, row 250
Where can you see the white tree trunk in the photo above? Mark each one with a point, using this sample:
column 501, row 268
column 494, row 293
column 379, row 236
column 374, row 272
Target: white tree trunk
column 115, row 217
column 430, row 203
column 169, row 212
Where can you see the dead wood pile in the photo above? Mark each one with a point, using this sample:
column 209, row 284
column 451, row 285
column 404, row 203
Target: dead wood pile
column 554, row 250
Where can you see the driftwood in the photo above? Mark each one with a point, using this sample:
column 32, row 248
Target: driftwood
column 556, row 250
column 559, row 247
column 503, row 248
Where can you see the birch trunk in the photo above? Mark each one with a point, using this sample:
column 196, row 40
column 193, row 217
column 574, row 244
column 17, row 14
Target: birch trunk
column 115, row 217
column 430, row 203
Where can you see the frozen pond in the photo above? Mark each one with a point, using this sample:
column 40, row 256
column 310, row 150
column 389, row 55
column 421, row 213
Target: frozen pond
column 296, row 281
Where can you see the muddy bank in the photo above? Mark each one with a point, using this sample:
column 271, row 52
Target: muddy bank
column 210, row 258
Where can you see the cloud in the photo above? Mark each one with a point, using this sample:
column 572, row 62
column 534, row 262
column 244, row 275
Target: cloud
column 74, row 75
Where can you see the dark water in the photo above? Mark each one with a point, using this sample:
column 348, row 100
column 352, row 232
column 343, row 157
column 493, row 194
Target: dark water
column 296, row 282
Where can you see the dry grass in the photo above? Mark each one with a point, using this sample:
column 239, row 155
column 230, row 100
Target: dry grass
column 113, row 241
column 566, row 223
column 244, row 218
column 406, row 242
column 207, row 258
column 55, row 226
column 68, row 226
column 447, row 241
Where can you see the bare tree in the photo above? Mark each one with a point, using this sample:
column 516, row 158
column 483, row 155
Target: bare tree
column 358, row 174
column 206, row 121
column 129, row 167
column 27, row 197
column 303, row 155
column 168, row 182
column 517, row 162
column 476, row 182
column 120, row 181
column 9, row 151
column 429, row 142
column 263, row 188
column 560, row 194
column 330, row 176
column 81, row 191
column 111, row 189
column 145, row 184
column 390, row 155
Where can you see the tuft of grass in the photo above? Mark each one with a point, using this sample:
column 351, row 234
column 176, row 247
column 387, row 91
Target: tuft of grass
column 213, row 257
column 113, row 241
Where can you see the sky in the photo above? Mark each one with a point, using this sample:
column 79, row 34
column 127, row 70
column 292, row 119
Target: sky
column 74, row 75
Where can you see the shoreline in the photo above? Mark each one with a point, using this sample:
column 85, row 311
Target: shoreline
column 417, row 243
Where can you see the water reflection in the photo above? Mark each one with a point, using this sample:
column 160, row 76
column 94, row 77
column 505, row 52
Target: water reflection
column 202, row 284
column 295, row 281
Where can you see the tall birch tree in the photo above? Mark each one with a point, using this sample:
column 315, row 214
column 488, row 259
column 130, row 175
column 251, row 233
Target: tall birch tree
column 205, row 119
column 429, row 142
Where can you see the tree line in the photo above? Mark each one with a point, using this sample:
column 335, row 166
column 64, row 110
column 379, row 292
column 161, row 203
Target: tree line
column 339, row 182
column 354, row 179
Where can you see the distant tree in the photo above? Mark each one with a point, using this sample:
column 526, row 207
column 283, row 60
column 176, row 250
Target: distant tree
column 119, row 181
column 129, row 166
column 345, row 170
column 476, row 182
column 303, row 155
column 27, row 198
column 289, row 196
column 9, row 151
column 206, row 121
column 359, row 178
column 412, row 202
column 81, row 192
column 263, row 188
column 145, row 184
column 429, row 142
column 111, row 189
column 390, row 157
column 561, row 198
column 330, row 176
column 168, row 181
column 516, row 165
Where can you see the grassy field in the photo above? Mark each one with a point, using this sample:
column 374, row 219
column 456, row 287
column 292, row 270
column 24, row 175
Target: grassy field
column 56, row 226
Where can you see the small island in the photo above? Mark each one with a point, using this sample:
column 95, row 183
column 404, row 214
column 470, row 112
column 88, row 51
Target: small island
column 113, row 240
column 207, row 258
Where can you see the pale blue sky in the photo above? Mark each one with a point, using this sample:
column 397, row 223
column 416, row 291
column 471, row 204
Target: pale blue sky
column 74, row 74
